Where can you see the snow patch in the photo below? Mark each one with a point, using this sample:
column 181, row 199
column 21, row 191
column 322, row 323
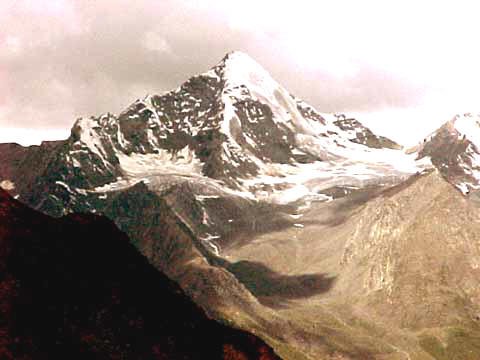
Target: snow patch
column 203, row 197
column 90, row 138
column 208, row 239
column 182, row 162
column 463, row 187
column 7, row 185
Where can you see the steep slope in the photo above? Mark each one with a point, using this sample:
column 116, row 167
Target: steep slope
column 404, row 263
column 416, row 251
column 74, row 288
column 421, row 243
column 454, row 149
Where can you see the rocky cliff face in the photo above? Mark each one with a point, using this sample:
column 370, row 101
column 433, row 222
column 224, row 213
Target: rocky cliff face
column 76, row 288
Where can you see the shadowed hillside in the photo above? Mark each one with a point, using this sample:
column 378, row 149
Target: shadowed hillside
column 75, row 288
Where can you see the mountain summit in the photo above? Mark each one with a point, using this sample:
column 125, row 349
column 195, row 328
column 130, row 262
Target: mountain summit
column 234, row 127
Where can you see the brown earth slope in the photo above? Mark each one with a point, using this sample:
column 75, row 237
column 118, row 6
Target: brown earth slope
column 405, row 270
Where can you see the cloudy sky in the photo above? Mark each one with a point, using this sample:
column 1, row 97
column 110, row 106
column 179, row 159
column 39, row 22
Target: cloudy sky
column 402, row 67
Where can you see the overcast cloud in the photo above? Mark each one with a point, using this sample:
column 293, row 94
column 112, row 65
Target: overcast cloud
column 402, row 69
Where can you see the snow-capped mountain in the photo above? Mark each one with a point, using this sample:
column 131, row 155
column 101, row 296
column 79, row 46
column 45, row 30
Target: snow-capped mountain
column 224, row 150
column 234, row 129
column 454, row 149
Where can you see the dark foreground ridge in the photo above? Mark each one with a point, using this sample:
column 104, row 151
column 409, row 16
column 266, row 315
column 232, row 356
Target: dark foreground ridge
column 75, row 288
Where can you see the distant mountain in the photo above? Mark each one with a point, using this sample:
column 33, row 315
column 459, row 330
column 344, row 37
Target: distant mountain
column 75, row 288
column 454, row 149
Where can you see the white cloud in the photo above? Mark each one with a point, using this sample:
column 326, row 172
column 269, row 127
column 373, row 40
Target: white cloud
column 155, row 42
column 13, row 44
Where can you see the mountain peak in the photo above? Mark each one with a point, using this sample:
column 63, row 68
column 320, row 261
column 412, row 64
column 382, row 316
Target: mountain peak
column 236, row 54
column 454, row 149
column 239, row 59
column 239, row 69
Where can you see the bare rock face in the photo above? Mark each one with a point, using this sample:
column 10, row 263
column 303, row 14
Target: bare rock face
column 76, row 288
column 20, row 166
